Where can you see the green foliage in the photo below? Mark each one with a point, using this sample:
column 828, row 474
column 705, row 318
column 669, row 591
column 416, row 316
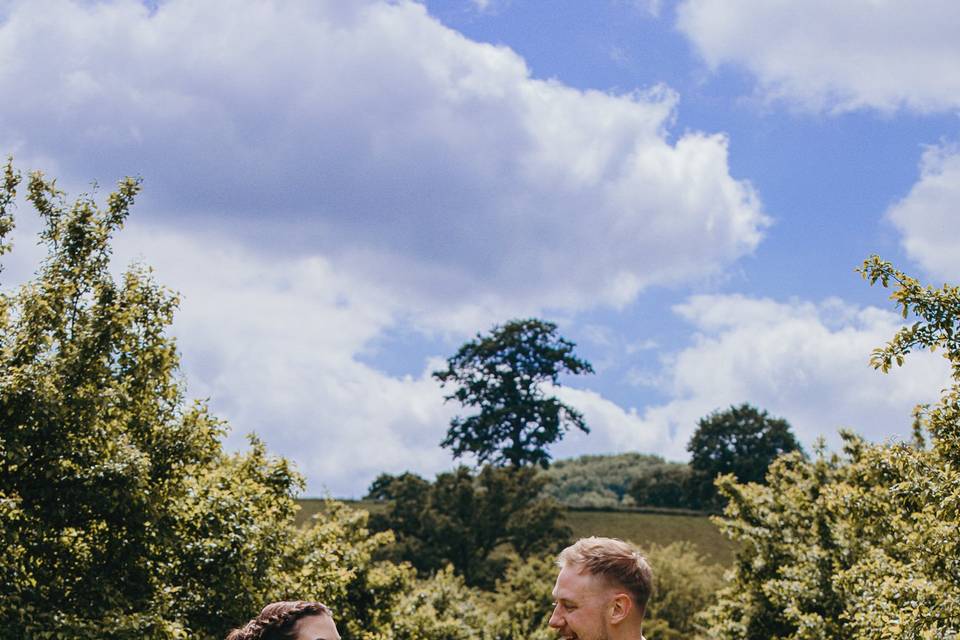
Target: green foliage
column 670, row 485
column 503, row 375
column 741, row 440
column 120, row 514
column 334, row 561
column 685, row 583
column 596, row 481
column 464, row 519
column 621, row 480
column 231, row 527
column 523, row 600
column 442, row 607
column 865, row 545
column 97, row 448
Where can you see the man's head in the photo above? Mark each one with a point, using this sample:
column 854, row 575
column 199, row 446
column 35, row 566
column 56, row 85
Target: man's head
column 602, row 590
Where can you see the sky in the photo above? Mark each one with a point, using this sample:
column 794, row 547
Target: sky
column 342, row 193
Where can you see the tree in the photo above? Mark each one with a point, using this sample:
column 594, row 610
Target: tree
column 669, row 484
column 466, row 519
column 120, row 514
column 503, row 375
column 740, row 440
column 864, row 544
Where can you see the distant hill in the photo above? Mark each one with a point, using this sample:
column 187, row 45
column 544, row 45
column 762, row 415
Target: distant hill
column 605, row 481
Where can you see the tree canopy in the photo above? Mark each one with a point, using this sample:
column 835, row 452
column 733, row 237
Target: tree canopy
column 742, row 440
column 463, row 518
column 504, row 375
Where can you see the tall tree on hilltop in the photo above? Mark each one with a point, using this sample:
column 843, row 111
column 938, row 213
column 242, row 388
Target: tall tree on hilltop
column 503, row 374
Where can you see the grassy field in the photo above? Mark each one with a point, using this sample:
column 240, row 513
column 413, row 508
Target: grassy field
column 641, row 528
column 645, row 529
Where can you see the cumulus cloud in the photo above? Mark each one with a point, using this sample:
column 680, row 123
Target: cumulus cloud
column 927, row 217
column 319, row 174
column 802, row 361
column 370, row 133
column 836, row 55
column 276, row 344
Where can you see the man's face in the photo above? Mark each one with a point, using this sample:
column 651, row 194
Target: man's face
column 582, row 604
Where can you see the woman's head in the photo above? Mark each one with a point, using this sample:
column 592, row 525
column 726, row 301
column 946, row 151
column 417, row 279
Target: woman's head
column 291, row 620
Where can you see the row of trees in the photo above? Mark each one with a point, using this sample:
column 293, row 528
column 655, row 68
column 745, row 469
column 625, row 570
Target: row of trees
column 467, row 519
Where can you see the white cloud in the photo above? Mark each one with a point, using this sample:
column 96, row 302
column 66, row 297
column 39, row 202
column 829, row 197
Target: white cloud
column 802, row 361
column 928, row 217
column 836, row 55
column 318, row 174
column 275, row 345
column 370, row 133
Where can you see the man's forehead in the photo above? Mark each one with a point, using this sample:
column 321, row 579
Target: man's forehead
column 576, row 582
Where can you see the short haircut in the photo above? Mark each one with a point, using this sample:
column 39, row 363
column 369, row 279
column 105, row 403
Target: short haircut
column 618, row 561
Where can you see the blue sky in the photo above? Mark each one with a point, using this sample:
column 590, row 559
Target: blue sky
column 344, row 192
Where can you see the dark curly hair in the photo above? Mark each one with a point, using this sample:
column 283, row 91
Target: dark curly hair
column 277, row 620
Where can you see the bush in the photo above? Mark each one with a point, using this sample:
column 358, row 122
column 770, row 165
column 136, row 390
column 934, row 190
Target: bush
column 523, row 600
column 685, row 583
column 670, row 485
column 442, row 608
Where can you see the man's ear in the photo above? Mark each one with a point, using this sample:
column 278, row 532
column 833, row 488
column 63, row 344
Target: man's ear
column 620, row 608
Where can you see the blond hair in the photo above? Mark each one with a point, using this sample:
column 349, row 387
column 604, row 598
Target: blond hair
column 615, row 560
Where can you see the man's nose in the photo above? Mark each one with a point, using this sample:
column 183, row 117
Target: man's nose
column 555, row 620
